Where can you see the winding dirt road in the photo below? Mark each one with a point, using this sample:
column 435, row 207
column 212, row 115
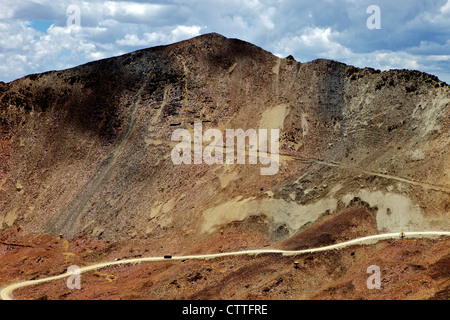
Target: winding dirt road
column 6, row 292
column 378, row 174
column 286, row 157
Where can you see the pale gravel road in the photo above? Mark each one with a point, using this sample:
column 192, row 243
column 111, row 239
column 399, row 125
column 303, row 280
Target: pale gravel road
column 6, row 292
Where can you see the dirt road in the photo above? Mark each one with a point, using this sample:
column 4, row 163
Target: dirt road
column 6, row 292
column 286, row 157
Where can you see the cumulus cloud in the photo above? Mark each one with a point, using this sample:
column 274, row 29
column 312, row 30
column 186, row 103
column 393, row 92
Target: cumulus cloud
column 153, row 38
column 414, row 33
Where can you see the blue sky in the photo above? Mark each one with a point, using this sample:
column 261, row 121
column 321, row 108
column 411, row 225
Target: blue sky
column 35, row 35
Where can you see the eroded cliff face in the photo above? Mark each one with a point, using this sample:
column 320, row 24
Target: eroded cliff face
column 87, row 150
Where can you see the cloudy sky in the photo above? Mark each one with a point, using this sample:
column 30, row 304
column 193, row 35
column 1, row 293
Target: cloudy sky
column 42, row 35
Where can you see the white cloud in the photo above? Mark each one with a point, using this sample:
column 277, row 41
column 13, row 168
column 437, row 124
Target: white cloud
column 7, row 9
column 316, row 36
column 413, row 35
column 446, row 8
column 181, row 32
column 391, row 60
column 164, row 37
column 316, row 42
column 132, row 40
column 440, row 57
column 312, row 43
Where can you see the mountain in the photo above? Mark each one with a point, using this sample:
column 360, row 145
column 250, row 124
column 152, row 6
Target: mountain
column 87, row 153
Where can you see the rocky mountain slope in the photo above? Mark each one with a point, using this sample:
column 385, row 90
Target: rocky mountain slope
column 86, row 152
